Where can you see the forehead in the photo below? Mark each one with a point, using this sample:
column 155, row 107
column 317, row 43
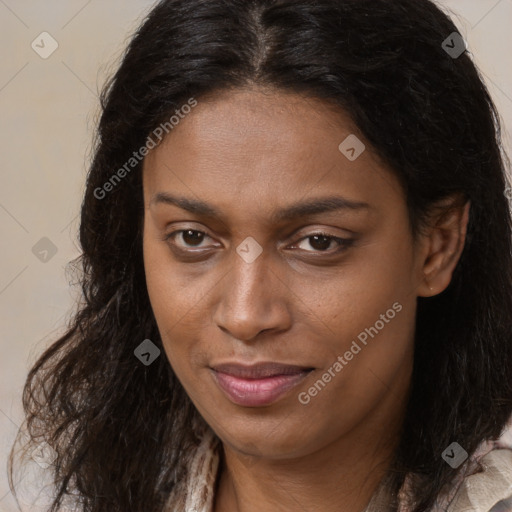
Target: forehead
column 267, row 147
column 262, row 124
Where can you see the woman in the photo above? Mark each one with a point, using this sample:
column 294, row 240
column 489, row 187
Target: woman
column 297, row 272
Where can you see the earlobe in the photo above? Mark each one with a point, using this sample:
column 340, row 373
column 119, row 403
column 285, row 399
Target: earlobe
column 444, row 245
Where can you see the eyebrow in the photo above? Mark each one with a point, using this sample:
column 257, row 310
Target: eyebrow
column 297, row 210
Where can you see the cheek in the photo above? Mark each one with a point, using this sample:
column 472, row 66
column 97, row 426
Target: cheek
column 365, row 314
column 366, row 318
column 178, row 299
column 164, row 286
column 379, row 274
column 173, row 292
column 366, row 358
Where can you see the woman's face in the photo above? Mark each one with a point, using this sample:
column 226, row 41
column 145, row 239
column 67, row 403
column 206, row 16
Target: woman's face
column 248, row 277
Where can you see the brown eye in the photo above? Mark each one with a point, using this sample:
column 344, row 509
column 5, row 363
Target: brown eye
column 189, row 238
column 321, row 242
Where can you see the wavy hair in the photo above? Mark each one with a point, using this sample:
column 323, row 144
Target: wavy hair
column 120, row 430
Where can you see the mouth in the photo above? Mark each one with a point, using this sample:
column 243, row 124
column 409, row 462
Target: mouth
column 257, row 385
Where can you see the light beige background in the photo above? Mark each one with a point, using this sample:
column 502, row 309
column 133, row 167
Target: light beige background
column 48, row 108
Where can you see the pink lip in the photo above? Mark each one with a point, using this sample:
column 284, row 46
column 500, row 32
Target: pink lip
column 257, row 385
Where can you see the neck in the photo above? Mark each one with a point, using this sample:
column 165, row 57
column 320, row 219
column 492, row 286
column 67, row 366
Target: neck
column 341, row 477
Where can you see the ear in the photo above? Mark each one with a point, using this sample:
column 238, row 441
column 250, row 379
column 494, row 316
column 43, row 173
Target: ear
column 442, row 244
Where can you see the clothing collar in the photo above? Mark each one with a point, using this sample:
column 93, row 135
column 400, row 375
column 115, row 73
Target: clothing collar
column 484, row 484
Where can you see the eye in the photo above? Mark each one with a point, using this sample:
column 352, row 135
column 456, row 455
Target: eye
column 322, row 242
column 187, row 238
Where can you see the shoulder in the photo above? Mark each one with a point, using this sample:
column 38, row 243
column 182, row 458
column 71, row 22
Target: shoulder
column 484, row 483
column 490, row 489
column 487, row 486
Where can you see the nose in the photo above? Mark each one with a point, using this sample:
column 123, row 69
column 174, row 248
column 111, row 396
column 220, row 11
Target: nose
column 252, row 298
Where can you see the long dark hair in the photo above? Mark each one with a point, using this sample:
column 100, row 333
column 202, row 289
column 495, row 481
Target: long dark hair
column 120, row 429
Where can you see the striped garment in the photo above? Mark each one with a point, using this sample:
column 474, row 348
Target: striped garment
column 484, row 484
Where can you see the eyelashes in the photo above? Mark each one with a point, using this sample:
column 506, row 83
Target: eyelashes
column 318, row 237
column 342, row 243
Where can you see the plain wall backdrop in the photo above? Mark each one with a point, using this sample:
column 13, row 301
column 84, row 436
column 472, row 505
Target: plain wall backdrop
column 48, row 109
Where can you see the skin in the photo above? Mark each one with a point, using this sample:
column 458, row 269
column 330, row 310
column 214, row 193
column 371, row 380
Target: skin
column 249, row 153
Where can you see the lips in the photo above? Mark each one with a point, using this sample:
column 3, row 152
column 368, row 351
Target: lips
column 259, row 370
column 259, row 384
